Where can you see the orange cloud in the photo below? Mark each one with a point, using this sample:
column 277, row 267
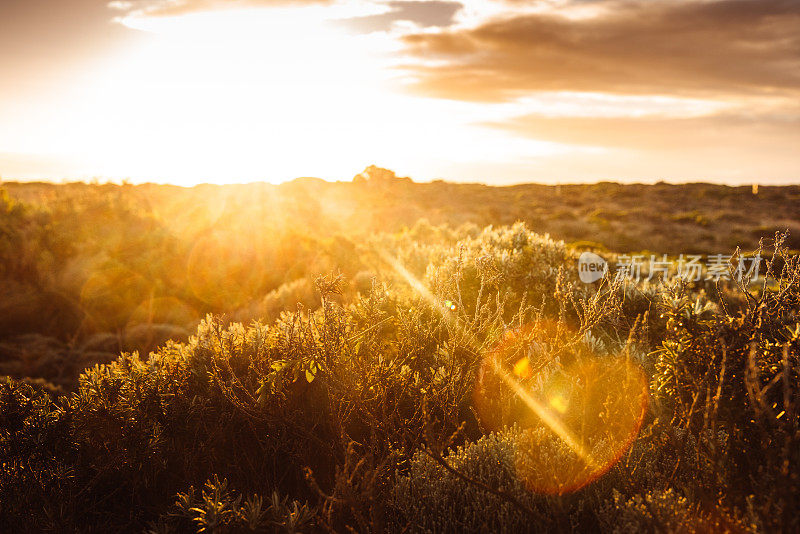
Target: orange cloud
column 678, row 47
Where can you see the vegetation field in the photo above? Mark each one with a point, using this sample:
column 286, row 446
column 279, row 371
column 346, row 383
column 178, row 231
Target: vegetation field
column 380, row 355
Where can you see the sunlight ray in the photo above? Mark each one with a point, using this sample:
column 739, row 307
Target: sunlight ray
column 545, row 415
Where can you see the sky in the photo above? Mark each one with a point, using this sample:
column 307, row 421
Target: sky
column 492, row 91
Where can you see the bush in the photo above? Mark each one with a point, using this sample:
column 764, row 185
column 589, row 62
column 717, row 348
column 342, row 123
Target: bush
column 472, row 385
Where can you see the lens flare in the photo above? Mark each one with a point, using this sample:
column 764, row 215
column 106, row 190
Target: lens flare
column 558, row 403
column 229, row 283
column 522, row 369
column 577, row 417
column 579, row 414
column 109, row 294
column 164, row 310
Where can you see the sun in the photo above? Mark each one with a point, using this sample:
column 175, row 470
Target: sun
column 262, row 94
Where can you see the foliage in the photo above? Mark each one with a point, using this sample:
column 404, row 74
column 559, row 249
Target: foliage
column 378, row 403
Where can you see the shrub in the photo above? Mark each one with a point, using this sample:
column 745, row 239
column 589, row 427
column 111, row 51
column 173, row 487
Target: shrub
column 336, row 416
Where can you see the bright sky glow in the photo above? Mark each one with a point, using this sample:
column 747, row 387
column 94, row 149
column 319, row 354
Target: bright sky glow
column 272, row 93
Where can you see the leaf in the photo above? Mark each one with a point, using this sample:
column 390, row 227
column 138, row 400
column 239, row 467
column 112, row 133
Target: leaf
column 263, row 391
column 311, row 372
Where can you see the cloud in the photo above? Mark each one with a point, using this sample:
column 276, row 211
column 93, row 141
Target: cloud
column 733, row 145
column 426, row 14
column 661, row 133
column 371, row 15
column 171, row 8
column 676, row 47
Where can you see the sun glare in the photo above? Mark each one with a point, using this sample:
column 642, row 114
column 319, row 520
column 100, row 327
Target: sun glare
column 593, row 404
column 260, row 94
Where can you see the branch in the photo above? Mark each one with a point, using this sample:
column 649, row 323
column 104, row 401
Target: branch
column 477, row 483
